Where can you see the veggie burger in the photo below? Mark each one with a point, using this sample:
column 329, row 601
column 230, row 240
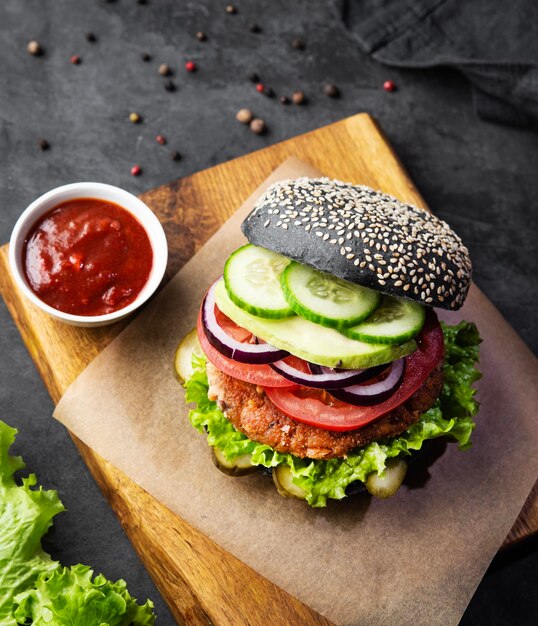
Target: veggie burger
column 318, row 356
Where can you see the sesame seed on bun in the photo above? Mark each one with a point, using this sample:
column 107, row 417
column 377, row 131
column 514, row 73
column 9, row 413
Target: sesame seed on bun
column 363, row 236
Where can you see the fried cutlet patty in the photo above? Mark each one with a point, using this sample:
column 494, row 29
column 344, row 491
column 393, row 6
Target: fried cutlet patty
column 251, row 412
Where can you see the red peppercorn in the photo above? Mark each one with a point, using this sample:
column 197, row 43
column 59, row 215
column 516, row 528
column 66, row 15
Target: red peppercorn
column 136, row 170
column 75, row 59
column 160, row 140
column 389, row 85
column 190, row 66
column 260, row 88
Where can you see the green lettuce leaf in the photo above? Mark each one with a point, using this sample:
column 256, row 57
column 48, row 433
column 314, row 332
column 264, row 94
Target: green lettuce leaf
column 32, row 585
column 69, row 596
column 25, row 516
column 451, row 415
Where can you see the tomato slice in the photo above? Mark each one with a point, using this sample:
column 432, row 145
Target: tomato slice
column 261, row 375
column 231, row 328
column 318, row 408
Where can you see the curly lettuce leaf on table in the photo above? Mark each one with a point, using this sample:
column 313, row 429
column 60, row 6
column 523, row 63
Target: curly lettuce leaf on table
column 34, row 589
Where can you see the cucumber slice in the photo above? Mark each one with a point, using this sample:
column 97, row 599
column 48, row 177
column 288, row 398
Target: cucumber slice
column 394, row 321
column 183, row 359
column 252, row 279
column 325, row 299
column 310, row 341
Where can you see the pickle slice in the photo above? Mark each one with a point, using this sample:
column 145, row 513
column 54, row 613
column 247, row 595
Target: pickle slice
column 183, row 358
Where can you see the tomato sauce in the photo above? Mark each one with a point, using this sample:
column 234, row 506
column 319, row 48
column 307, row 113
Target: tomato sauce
column 87, row 257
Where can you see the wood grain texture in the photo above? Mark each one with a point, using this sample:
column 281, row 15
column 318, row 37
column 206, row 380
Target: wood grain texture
column 202, row 583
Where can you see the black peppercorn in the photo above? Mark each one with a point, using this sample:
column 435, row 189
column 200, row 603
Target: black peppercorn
column 91, row 37
column 254, row 78
column 169, row 85
column 201, row 36
column 146, row 56
column 331, row 91
column 269, row 92
column 175, row 156
column 43, row 144
column 298, row 44
column 284, row 100
column 255, row 28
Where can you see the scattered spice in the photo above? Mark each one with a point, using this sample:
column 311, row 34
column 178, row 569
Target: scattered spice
column 190, row 66
column 75, row 59
column 257, row 126
column 164, row 69
column 175, row 156
column 146, row 56
column 160, row 140
column 135, row 118
column 34, row 48
column 142, row 1
column 298, row 44
column 201, row 36
column 331, row 91
column 255, row 28
column 298, row 97
column 284, row 100
column 260, row 88
column 43, row 144
column 254, row 78
column 136, row 170
column 169, row 85
column 244, row 116
column 389, row 85
column 91, row 37
column 231, row 9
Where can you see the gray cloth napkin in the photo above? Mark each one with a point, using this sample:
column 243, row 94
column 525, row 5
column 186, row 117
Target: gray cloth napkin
column 494, row 43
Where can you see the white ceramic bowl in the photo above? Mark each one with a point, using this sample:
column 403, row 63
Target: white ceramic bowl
column 103, row 192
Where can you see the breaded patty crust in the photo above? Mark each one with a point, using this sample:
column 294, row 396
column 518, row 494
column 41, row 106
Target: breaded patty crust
column 251, row 412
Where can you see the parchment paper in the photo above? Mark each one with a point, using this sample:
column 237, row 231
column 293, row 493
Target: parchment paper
column 415, row 559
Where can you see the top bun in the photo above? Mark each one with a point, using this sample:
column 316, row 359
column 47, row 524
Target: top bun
column 363, row 236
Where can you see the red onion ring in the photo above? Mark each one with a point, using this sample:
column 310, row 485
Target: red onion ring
column 254, row 353
column 364, row 395
column 325, row 378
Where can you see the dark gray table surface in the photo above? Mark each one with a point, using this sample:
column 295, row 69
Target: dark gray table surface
column 480, row 177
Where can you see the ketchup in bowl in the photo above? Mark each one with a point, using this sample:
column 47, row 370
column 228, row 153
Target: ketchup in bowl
column 87, row 257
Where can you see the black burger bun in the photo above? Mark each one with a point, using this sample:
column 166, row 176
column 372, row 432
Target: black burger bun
column 363, row 236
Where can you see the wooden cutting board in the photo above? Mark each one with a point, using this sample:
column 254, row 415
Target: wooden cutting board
column 201, row 582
